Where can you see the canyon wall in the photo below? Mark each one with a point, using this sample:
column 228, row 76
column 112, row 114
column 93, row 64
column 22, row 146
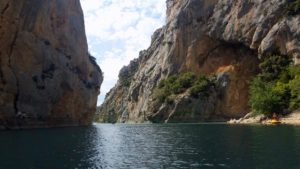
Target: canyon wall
column 225, row 38
column 47, row 76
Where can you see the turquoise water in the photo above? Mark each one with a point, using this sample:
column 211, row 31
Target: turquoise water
column 152, row 146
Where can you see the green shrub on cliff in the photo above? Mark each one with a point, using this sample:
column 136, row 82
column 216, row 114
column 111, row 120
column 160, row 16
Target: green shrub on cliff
column 272, row 66
column 263, row 100
column 163, row 90
column 277, row 87
column 186, row 80
column 294, row 71
column 161, row 94
column 295, row 92
column 200, row 85
column 293, row 7
column 179, row 84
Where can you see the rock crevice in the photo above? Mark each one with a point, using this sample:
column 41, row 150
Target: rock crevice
column 15, row 101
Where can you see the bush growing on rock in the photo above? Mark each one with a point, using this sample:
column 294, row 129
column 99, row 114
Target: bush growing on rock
column 186, row 80
column 293, row 7
column 277, row 87
column 272, row 66
column 263, row 100
column 174, row 85
column 201, row 85
column 161, row 94
column 295, row 92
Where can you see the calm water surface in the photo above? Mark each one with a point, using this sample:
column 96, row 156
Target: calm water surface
column 152, row 146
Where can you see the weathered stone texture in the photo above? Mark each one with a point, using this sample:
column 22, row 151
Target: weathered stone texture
column 47, row 77
column 222, row 37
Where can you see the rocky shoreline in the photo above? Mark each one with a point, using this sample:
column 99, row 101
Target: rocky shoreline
column 292, row 119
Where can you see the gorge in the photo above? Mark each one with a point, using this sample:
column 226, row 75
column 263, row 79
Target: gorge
column 197, row 68
column 213, row 61
column 223, row 40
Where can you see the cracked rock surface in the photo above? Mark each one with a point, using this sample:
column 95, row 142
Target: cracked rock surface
column 47, row 77
column 222, row 37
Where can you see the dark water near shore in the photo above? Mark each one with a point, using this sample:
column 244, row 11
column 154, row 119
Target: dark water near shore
column 152, row 146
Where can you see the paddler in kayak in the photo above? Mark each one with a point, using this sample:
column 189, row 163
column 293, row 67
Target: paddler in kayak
column 275, row 119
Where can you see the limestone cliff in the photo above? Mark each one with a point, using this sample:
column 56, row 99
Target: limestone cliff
column 47, row 77
column 222, row 37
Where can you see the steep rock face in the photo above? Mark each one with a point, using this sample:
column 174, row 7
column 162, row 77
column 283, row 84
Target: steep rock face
column 47, row 77
column 222, row 37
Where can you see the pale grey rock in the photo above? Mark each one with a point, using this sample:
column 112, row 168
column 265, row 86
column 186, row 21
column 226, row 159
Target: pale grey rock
column 223, row 37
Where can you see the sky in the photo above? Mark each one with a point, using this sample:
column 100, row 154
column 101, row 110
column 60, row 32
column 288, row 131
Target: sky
column 117, row 30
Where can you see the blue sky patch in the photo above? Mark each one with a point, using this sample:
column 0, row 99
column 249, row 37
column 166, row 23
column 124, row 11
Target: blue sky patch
column 117, row 30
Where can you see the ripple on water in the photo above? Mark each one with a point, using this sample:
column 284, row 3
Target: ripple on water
column 152, row 146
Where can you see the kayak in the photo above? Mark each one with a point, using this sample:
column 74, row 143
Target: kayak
column 274, row 121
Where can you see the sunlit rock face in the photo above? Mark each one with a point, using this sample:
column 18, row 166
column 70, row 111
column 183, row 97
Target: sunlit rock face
column 47, row 77
column 221, row 37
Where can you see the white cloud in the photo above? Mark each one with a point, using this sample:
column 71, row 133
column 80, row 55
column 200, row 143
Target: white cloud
column 117, row 30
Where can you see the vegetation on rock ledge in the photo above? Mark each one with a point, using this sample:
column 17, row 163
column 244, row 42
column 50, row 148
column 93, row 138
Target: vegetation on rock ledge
column 293, row 7
column 277, row 87
column 177, row 84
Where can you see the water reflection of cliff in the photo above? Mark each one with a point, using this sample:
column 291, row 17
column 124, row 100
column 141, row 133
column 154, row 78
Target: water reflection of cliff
column 152, row 146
